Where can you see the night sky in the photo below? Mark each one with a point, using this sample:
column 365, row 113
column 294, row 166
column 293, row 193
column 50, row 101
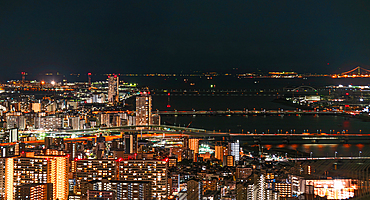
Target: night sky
column 174, row 36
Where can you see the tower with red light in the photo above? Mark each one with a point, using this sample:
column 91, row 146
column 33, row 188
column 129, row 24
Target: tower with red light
column 23, row 76
column 89, row 77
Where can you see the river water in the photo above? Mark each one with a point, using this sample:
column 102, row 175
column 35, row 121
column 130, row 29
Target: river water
column 264, row 124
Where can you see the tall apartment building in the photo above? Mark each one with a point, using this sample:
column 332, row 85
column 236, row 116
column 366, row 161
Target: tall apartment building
column 130, row 143
column 194, row 190
column 125, row 190
column 114, row 119
column 34, row 191
column 2, row 178
column 143, row 110
column 113, row 86
column 285, row 189
column 15, row 121
column 154, row 171
column 229, row 161
column 93, row 169
column 36, row 169
column 48, row 122
column 100, row 195
column 234, row 150
column 74, row 123
column 241, row 191
column 220, row 152
column 194, row 145
column 260, row 192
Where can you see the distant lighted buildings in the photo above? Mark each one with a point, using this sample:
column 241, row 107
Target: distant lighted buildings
column 48, row 122
column 283, row 74
column 113, row 93
column 143, row 110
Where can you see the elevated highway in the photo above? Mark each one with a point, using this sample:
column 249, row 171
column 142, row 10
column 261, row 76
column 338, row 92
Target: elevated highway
column 174, row 131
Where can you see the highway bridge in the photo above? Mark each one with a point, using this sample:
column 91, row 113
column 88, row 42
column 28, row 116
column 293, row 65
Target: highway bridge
column 174, row 131
column 330, row 158
column 253, row 112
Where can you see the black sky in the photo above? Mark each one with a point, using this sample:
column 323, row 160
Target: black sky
column 173, row 36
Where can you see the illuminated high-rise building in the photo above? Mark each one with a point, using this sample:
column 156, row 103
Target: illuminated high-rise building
column 113, row 93
column 241, row 191
column 154, row 171
column 35, row 191
column 143, row 110
column 234, row 150
column 13, row 135
column 194, row 145
column 36, row 169
column 48, row 122
column 284, row 188
column 74, row 123
column 15, row 121
column 125, row 190
column 131, row 143
column 229, row 161
column 2, row 178
column 220, row 152
column 93, row 169
column 260, row 182
column 194, row 190
column 100, row 195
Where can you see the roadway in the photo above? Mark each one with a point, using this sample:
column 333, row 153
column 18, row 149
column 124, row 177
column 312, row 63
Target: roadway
column 173, row 131
column 253, row 112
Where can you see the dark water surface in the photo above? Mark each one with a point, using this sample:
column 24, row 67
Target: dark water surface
column 264, row 124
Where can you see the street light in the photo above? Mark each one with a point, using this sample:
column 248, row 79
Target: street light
column 311, row 154
column 359, row 153
column 335, row 155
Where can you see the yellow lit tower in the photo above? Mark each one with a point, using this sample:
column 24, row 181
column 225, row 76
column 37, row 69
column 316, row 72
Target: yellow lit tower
column 30, row 169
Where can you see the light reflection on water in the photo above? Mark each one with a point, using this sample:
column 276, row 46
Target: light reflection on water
column 327, row 150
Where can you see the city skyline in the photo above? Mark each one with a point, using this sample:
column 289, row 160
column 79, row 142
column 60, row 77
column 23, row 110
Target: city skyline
column 175, row 100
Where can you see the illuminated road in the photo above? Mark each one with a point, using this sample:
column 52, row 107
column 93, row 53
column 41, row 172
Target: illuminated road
column 172, row 131
column 255, row 112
